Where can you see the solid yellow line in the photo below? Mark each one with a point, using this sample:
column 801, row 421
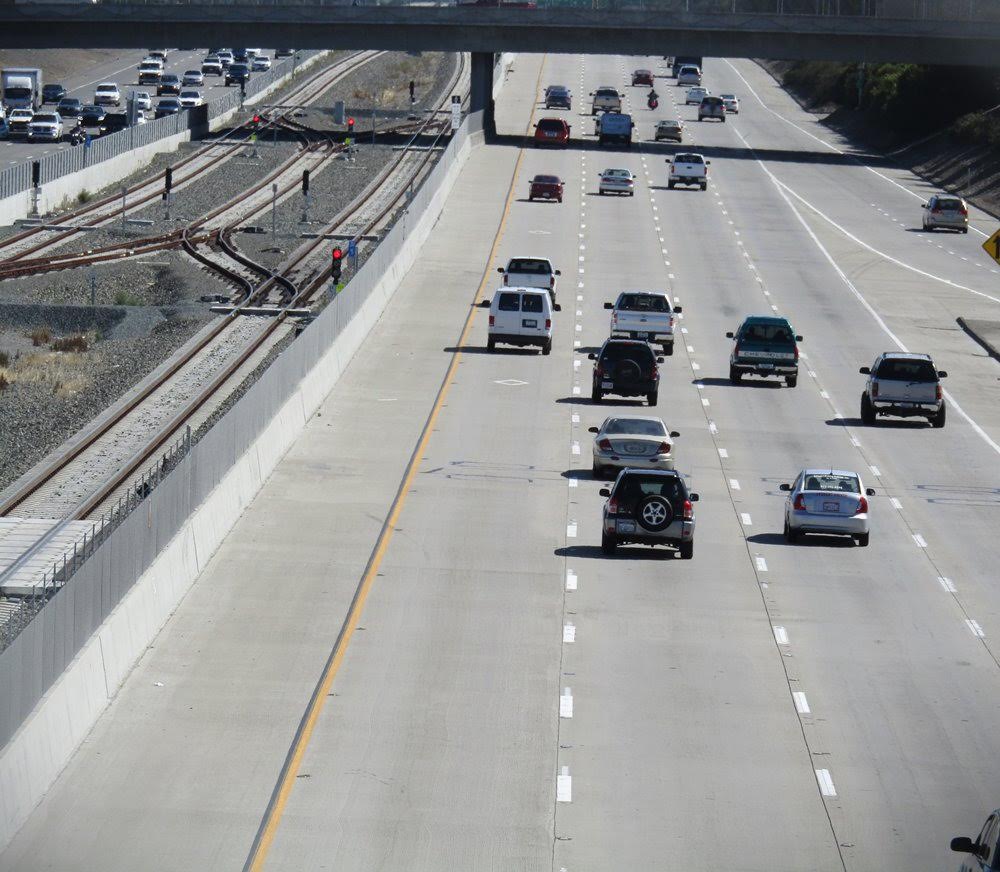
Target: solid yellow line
column 279, row 799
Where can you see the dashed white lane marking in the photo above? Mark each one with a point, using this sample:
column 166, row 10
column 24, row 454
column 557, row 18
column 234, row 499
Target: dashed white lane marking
column 575, row 418
column 576, row 344
column 571, row 530
column 572, row 482
column 801, row 703
column 712, row 428
column 579, row 313
column 575, row 448
column 570, row 574
column 566, row 703
column 734, row 484
column 695, row 366
column 685, row 330
column 564, row 786
column 947, row 584
column 811, row 373
column 761, row 564
column 704, row 402
column 781, row 635
column 974, row 628
column 723, row 453
column 690, row 349
column 875, row 471
column 579, row 328
column 855, row 442
column 824, row 395
column 896, row 504
column 919, row 540
column 579, row 298
column 576, row 390
column 577, row 364
column 569, row 634
column 745, row 518
column 825, row 782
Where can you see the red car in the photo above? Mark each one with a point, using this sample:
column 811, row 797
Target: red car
column 643, row 77
column 545, row 188
column 551, row 131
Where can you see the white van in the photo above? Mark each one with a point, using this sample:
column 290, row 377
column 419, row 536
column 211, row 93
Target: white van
column 521, row 316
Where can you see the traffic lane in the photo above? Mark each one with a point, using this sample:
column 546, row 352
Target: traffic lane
column 755, row 415
column 178, row 776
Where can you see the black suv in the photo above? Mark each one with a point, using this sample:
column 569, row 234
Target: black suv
column 169, row 84
column 237, row 73
column 650, row 507
column 627, row 368
column 53, row 93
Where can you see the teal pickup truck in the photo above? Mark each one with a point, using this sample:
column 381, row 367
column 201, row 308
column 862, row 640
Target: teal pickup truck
column 765, row 345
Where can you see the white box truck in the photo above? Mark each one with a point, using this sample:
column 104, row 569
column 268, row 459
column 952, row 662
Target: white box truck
column 21, row 87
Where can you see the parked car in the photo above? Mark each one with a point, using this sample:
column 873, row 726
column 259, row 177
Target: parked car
column 53, row 93
column 642, row 77
column 168, row 106
column 260, row 64
column 648, row 316
column 689, row 75
column 828, row 501
column 670, row 130
column 107, row 94
column 545, row 188
column 70, row 108
column 237, row 73
column 606, row 99
column 46, row 127
column 617, row 181
column 211, row 66
column 633, row 441
column 92, row 115
column 627, row 368
column 695, row 95
column 688, row 169
column 193, row 77
column 530, row 272
column 903, row 384
column 521, row 317
column 551, row 131
column 732, row 103
column 946, row 210
column 712, row 107
column 615, row 127
column 765, row 345
column 648, row 507
column 558, row 97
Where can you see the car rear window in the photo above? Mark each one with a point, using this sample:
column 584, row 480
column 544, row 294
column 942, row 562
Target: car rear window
column 530, row 265
column 532, row 303
column 767, row 333
column 606, row 92
column 509, row 302
column 908, row 370
column 950, row 205
column 712, row 101
column 635, row 487
column 51, row 119
column 550, row 124
column 615, row 351
column 687, row 70
column 668, row 124
column 688, row 158
column 557, row 90
column 546, row 180
column 643, row 303
column 635, row 426
column 846, row 484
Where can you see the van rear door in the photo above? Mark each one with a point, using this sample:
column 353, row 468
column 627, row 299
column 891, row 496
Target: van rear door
column 506, row 312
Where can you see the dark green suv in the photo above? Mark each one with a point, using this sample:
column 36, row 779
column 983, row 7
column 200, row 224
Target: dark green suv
column 765, row 345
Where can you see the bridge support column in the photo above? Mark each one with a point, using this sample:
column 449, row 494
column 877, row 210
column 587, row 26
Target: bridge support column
column 481, row 96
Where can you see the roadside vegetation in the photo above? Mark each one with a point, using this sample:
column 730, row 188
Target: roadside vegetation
column 58, row 365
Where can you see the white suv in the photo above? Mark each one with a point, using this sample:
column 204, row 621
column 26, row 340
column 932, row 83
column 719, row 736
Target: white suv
column 522, row 317
column 107, row 94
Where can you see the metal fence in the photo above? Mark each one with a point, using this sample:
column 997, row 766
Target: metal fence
column 17, row 179
column 88, row 589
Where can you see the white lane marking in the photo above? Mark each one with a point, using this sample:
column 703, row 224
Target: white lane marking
column 947, row 584
column 569, row 634
column 564, row 786
column 571, row 530
column 761, row 564
column 579, row 298
column 801, row 703
column 575, row 447
column 875, row 471
column 579, row 313
column 919, row 540
column 576, row 344
column 745, row 518
column 685, row 330
column 576, row 390
column 896, row 504
column 566, row 703
column 712, row 428
column 824, row 395
column 734, row 484
column 723, row 453
column 781, row 635
column 576, row 364
column 690, row 349
column 575, row 418
column 704, row 402
column 573, row 482
column 570, row 574
column 695, row 366
column 811, row 373
column 579, row 328
column 825, row 782
column 855, row 442
column 974, row 628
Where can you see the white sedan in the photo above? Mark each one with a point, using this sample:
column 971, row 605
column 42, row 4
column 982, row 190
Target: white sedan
column 617, row 182
column 190, row 99
column 833, row 502
column 260, row 64
column 143, row 101
column 634, row 441
column 695, row 95
column 731, row 102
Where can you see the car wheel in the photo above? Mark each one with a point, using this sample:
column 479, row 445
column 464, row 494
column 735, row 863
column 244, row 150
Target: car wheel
column 668, row 349
column 939, row 419
column 596, row 470
column 491, row 344
column 735, row 376
column 687, row 550
column 670, row 186
column 609, row 543
column 790, row 535
column 600, row 192
column 596, row 395
column 654, row 513
column 559, row 200
column 863, row 540
column 867, row 411
column 547, row 347
column 704, row 186
column 723, row 120
column 791, row 380
column 965, row 229
column 651, row 397
column 531, row 199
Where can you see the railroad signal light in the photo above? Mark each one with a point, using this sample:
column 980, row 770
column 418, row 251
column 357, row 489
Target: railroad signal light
column 337, row 264
column 36, row 173
column 168, row 181
column 305, row 181
column 256, row 121
column 350, row 126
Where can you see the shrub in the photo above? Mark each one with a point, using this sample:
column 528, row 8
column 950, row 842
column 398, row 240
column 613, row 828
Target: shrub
column 41, row 336
column 4, row 359
column 3, row 381
column 83, row 196
column 126, row 298
column 78, row 342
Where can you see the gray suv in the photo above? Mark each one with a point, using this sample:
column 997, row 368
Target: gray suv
column 903, row 384
column 649, row 507
column 712, row 107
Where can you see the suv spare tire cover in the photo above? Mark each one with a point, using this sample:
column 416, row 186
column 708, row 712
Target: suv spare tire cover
column 654, row 513
column 628, row 370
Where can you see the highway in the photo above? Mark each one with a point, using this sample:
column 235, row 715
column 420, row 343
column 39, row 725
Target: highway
column 123, row 71
column 509, row 698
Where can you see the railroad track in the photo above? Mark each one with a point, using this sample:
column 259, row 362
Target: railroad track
column 100, row 466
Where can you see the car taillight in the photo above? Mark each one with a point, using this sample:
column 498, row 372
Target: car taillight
column 874, row 389
column 671, row 320
column 796, row 353
column 862, row 507
column 604, row 444
column 800, row 503
column 688, row 510
column 598, row 370
column 548, row 323
column 552, row 281
column 505, row 279
column 938, row 393
column 963, row 210
column 673, row 168
column 612, row 506
column 491, row 320
column 664, row 448
column 736, row 350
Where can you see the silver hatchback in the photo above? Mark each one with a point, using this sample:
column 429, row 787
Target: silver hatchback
column 649, row 507
column 827, row 501
column 946, row 210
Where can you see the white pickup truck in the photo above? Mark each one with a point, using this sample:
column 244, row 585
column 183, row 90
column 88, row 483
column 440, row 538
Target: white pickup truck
column 903, row 384
column 530, row 272
column 688, row 169
column 644, row 315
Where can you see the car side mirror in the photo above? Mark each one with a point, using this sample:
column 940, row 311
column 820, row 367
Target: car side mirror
column 870, row 491
column 591, row 93
column 674, row 434
column 500, row 270
column 484, row 304
column 593, row 430
column 729, row 335
column 707, row 162
column 659, row 360
column 678, row 309
column 942, row 374
column 865, row 370
column 963, row 845
column 605, row 492
column 557, row 307
column 798, row 338
column 924, row 206
column 693, row 498
column 609, row 305
column 558, row 272
column 592, row 356
column 784, row 487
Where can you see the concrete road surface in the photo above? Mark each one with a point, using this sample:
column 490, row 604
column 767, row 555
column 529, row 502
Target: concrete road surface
column 513, row 700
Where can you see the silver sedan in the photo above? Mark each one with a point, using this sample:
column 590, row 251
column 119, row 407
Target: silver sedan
column 617, row 182
column 828, row 501
column 635, row 442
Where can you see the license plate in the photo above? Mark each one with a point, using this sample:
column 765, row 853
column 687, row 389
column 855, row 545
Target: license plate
column 635, row 448
column 626, row 526
column 907, row 405
column 767, row 366
column 607, row 385
column 529, row 322
column 546, row 196
column 831, row 507
column 642, row 336
column 550, row 134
